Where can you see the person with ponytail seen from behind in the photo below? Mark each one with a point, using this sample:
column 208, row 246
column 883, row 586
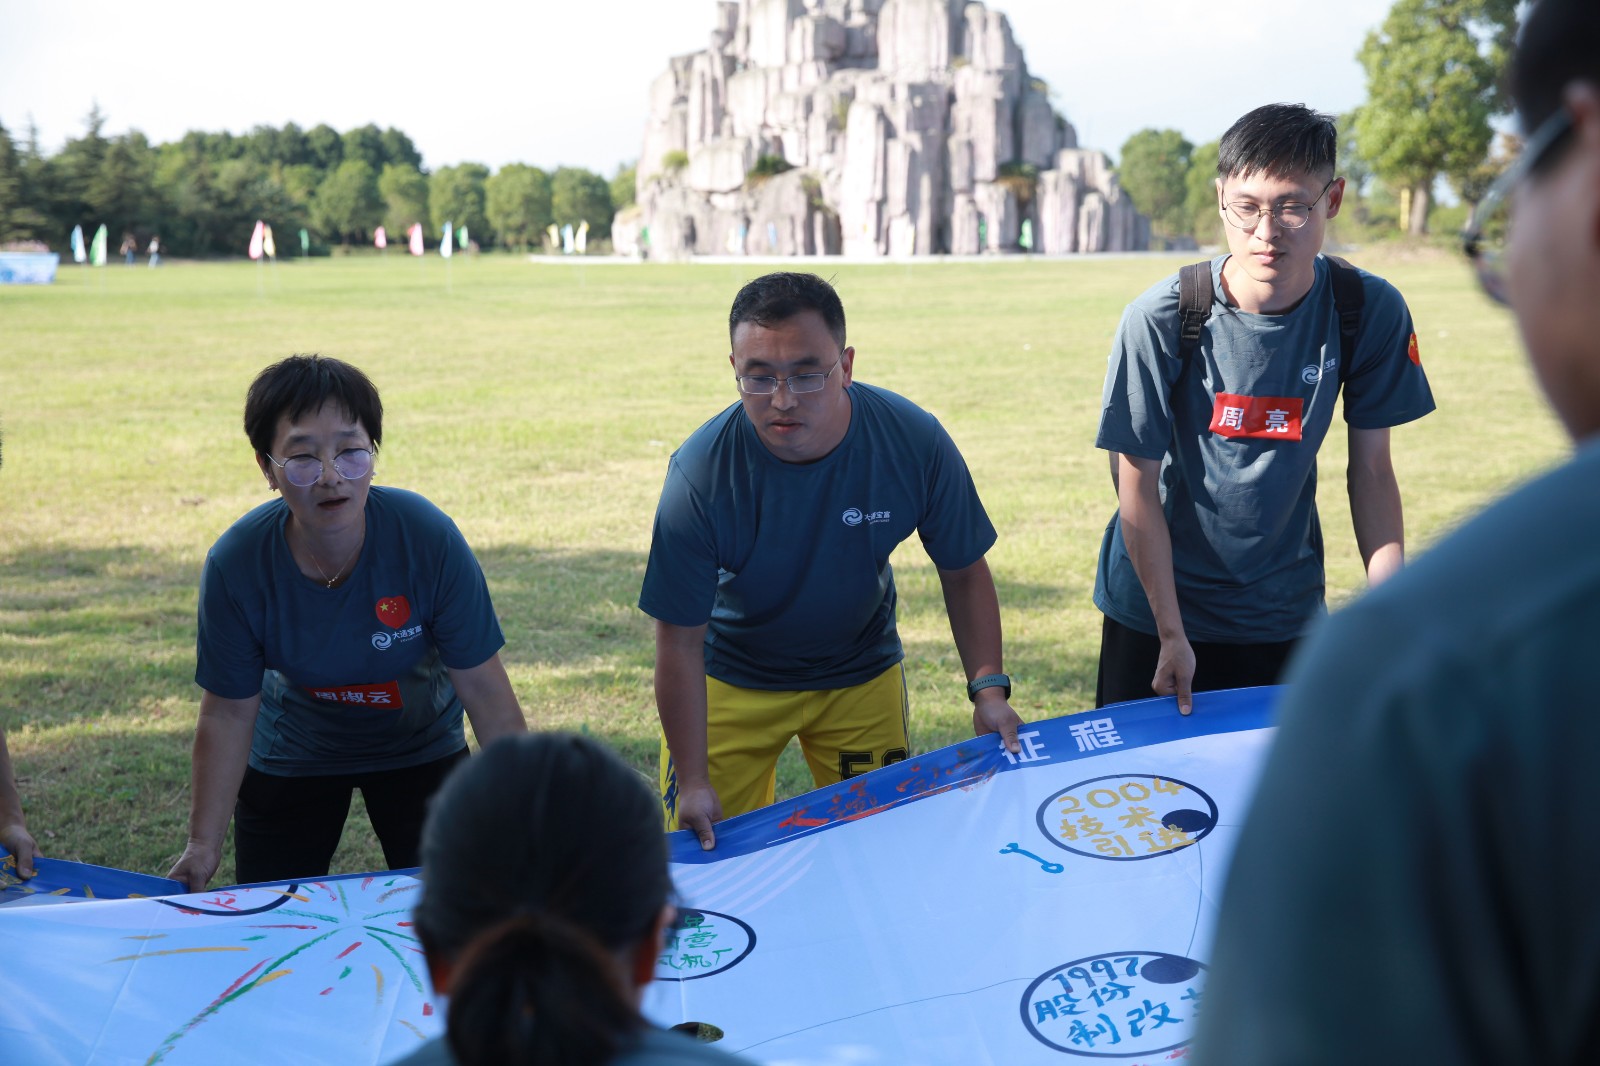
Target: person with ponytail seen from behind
column 545, row 898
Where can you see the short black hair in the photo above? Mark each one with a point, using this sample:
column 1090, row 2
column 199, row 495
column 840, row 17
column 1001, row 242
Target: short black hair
column 778, row 297
column 1560, row 44
column 1280, row 141
column 301, row 384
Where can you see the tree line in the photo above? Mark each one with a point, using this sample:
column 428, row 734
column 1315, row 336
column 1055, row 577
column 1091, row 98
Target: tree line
column 204, row 192
column 1434, row 70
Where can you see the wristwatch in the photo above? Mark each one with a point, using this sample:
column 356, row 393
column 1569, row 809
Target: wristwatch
column 977, row 684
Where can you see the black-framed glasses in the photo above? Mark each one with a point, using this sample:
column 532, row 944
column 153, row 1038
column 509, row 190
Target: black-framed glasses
column 1291, row 214
column 1489, row 229
column 352, row 464
column 767, row 384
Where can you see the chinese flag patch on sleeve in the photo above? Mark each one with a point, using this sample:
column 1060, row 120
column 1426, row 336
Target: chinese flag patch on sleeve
column 1411, row 350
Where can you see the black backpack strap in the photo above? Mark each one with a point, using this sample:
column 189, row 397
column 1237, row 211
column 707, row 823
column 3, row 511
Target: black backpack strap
column 1194, row 306
column 1349, row 295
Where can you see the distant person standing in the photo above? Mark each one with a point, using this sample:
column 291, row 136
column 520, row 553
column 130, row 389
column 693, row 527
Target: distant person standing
column 129, row 248
column 1415, row 880
column 155, row 250
column 1221, row 387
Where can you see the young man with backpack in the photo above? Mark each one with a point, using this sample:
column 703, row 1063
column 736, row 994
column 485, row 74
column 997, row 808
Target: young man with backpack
column 1220, row 388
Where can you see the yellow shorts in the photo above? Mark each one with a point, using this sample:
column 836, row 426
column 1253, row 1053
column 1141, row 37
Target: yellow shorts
column 843, row 732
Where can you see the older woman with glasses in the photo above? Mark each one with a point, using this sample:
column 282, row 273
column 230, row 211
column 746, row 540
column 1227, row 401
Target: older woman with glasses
column 344, row 629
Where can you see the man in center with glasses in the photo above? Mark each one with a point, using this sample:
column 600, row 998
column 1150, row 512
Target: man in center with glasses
column 769, row 576
column 1212, row 566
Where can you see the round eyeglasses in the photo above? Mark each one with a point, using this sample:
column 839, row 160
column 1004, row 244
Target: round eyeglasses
column 766, row 384
column 351, row 464
column 1290, row 214
column 1489, row 230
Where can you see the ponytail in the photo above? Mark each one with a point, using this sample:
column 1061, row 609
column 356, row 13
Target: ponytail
column 537, row 991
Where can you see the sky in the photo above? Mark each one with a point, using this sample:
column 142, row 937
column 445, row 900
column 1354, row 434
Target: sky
column 566, row 83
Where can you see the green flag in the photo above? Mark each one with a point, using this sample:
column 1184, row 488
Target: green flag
column 97, row 250
column 305, row 243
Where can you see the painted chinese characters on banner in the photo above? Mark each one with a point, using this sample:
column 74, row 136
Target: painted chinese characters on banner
column 836, row 927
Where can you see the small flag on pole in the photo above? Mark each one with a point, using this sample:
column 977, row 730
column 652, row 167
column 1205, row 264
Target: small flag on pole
column 461, row 239
column 257, row 235
column 446, row 245
column 554, row 237
column 566, row 239
column 380, row 239
column 80, row 254
column 97, row 250
column 305, row 242
column 416, row 238
column 582, row 240
column 269, row 245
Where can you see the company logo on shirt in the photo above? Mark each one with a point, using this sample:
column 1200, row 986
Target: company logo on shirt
column 385, row 695
column 1313, row 373
column 1265, row 417
column 854, row 516
column 394, row 611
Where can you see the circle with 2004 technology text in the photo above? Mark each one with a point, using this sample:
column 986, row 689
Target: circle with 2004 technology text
column 1124, row 817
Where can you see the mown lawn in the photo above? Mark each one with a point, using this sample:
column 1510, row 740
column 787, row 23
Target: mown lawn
column 537, row 403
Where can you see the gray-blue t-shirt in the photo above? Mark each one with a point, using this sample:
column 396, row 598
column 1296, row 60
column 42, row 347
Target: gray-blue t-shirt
column 1237, row 433
column 352, row 679
column 788, row 563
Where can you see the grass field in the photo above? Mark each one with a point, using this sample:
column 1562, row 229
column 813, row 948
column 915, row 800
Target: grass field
column 537, row 404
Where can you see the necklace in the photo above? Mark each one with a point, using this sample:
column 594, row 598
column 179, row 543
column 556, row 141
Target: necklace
column 329, row 582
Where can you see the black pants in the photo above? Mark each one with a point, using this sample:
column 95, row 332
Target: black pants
column 1128, row 661
column 287, row 828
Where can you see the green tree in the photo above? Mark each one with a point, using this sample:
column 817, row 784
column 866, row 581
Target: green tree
column 300, row 181
column 1155, row 164
column 347, row 206
column 1432, row 86
column 274, row 147
column 456, row 194
column 366, row 144
column 72, row 171
column 122, row 192
column 20, row 219
column 1200, row 195
column 324, row 147
column 397, row 148
column 578, row 195
column 518, row 204
column 405, row 198
column 623, row 186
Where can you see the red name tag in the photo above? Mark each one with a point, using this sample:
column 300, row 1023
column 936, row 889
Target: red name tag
column 1271, row 417
column 385, row 696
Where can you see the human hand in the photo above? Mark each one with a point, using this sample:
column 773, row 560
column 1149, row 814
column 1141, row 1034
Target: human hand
column 698, row 807
column 1175, row 672
column 16, row 839
column 992, row 713
column 196, row 865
